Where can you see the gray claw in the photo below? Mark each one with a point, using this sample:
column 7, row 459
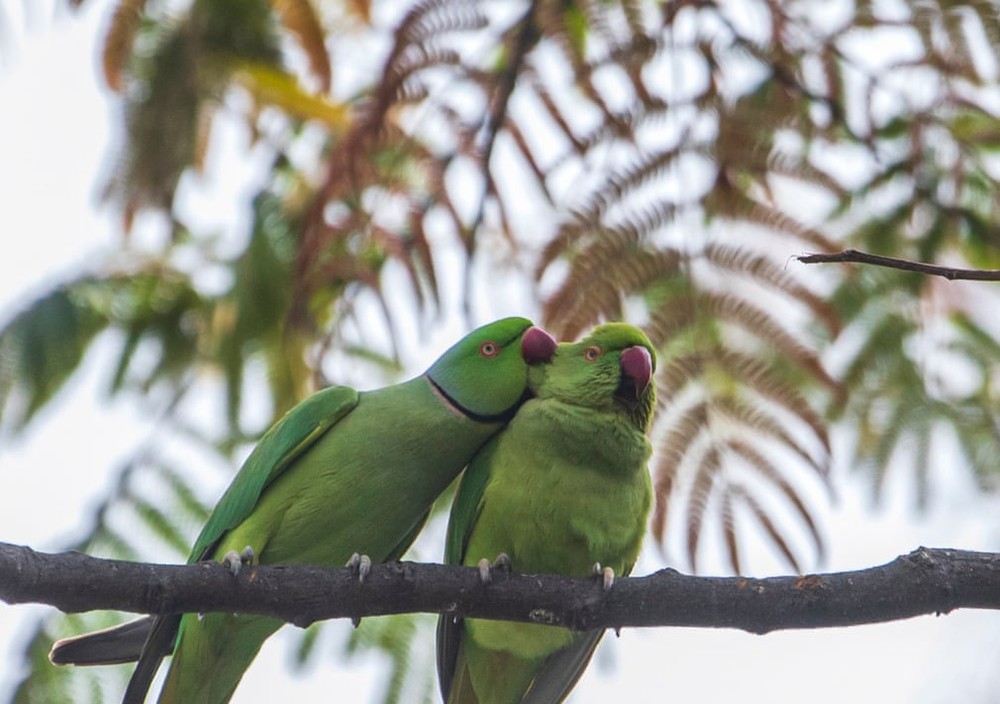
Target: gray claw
column 606, row 574
column 235, row 560
column 362, row 565
column 485, row 567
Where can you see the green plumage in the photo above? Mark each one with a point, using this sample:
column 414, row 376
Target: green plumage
column 563, row 487
column 342, row 472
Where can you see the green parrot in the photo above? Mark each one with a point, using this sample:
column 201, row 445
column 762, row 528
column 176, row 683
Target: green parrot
column 564, row 489
column 342, row 473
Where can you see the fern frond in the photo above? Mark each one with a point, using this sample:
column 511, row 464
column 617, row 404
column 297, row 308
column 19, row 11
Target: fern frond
column 757, row 376
column 762, row 270
column 764, row 519
column 599, row 280
column 430, row 19
column 728, row 520
column 759, row 421
column 676, row 372
column 768, row 327
column 770, row 473
column 647, row 170
column 553, row 111
column 705, row 477
column 671, row 449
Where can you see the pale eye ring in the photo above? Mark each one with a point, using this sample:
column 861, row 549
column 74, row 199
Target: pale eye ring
column 592, row 353
column 489, row 349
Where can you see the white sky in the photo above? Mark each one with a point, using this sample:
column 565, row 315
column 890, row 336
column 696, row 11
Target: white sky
column 53, row 140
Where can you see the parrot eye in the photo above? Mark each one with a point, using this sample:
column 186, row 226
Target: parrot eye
column 592, row 353
column 489, row 349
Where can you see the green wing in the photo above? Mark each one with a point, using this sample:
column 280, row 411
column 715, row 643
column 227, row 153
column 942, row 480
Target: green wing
column 562, row 669
column 277, row 449
column 467, row 504
column 464, row 512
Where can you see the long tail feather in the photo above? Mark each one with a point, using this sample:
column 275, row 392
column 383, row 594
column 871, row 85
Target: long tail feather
column 110, row 646
column 157, row 646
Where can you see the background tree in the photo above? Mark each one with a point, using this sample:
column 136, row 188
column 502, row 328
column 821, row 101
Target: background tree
column 657, row 162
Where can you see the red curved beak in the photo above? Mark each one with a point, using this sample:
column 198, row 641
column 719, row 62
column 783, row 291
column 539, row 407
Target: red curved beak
column 637, row 364
column 537, row 345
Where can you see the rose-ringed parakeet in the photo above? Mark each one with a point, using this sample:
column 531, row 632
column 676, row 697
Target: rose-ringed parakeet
column 344, row 472
column 563, row 489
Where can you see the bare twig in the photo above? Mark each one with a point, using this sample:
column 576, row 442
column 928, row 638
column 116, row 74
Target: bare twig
column 853, row 255
column 927, row 581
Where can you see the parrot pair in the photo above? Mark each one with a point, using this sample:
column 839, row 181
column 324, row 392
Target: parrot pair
column 324, row 483
column 563, row 489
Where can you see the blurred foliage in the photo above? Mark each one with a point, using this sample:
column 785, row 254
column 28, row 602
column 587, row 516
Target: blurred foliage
column 659, row 162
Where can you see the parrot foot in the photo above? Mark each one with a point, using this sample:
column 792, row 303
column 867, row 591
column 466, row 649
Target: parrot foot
column 362, row 566
column 606, row 574
column 485, row 567
column 235, row 560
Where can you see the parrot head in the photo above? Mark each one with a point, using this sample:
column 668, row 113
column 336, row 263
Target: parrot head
column 485, row 374
column 612, row 367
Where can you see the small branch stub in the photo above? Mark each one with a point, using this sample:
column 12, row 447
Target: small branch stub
column 858, row 257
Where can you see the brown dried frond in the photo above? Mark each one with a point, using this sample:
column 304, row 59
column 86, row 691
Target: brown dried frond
column 599, row 279
column 756, row 375
column 300, row 18
column 761, row 423
column 767, row 524
column 430, row 19
column 768, row 327
column 418, row 44
column 677, row 372
column 541, row 176
column 554, row 112
column 794, row 167
column 989, row 21
column 586, row 296
column 641, row 173
column 728, row 520
column 768, row 471
column 705, row 477
column 728, row 201
column 551, row 19
column 670, row 453
column 765, row 271
column 408, row 64
column 583, row 232
column 669, row 319
column 741, row 420
column 117, row 48
column 422, row 246
column 957, row 57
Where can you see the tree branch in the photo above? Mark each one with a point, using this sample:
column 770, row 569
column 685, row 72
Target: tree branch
column 856, row 256
column 926, row 581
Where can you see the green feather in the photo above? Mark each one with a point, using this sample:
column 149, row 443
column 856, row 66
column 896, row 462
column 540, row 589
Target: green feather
column 564, row 486
column 342, row 472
